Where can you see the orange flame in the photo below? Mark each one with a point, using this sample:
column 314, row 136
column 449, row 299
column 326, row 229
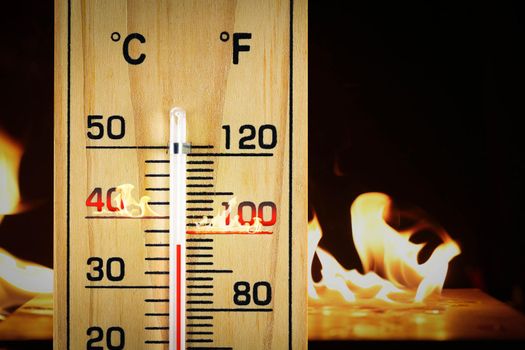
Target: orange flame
column 129, row 206
column 10, row 154
column 219, row 222
column 19, row 280
column 390, row 260
column 126, row 205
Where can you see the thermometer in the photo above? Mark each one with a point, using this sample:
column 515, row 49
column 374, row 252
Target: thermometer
column 180, row 174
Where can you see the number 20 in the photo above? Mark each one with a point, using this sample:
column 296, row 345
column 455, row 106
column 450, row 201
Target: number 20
column 115, row 338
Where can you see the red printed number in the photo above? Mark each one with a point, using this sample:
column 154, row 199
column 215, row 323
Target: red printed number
column 248, row 211
column 95, row 200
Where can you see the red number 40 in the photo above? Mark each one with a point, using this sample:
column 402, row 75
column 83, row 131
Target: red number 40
column 95, row 200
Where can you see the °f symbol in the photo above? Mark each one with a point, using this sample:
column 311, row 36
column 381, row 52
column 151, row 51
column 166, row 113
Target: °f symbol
column 237, row 47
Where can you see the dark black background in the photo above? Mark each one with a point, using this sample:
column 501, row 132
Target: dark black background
column 26, row 113
column 423, row 101
column 420, row 100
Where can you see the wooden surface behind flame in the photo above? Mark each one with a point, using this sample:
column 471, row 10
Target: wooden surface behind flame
column 460, row 314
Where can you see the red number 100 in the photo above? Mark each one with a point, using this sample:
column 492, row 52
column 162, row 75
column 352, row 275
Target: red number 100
column 254, row 212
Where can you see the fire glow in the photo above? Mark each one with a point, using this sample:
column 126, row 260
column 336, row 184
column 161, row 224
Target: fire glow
column 392, row 272
column 20, row 280
column 225, row 222
column 10, row 154
column 128, row 206
column 124, row 204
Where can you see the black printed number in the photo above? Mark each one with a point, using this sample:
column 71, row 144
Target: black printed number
column 115, row 338
column 114, row 269
column 261, row 293
column 114, row 127
column 266, row 136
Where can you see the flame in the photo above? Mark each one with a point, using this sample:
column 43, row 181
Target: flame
column 129, row 206
column 390, row 261
column 10, row 154
column 221, row 223
column 21, row 280
column 126, row 204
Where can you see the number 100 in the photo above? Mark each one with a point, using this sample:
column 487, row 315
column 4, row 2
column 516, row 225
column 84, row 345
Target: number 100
column 248, row 211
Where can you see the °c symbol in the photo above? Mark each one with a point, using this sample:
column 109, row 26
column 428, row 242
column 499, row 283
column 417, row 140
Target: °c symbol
column 115, row 36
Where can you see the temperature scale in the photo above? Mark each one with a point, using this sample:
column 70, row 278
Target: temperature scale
column 181, row 174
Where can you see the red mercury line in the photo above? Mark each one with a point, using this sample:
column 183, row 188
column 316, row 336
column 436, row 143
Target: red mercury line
column 177, row 228
column 178, row 296
column 218, row 232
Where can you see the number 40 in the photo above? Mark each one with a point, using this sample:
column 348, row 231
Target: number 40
column 95, row 200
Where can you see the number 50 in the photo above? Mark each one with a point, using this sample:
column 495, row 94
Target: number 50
column 115, row 127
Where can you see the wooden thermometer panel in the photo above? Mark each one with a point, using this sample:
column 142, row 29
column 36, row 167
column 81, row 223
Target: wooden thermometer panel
column 239, row 71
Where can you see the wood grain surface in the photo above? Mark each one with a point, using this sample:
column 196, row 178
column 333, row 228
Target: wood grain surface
column 459, row 314
column 186, row 64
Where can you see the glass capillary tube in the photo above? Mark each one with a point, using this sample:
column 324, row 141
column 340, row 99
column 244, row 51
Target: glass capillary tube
column 177, row 213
